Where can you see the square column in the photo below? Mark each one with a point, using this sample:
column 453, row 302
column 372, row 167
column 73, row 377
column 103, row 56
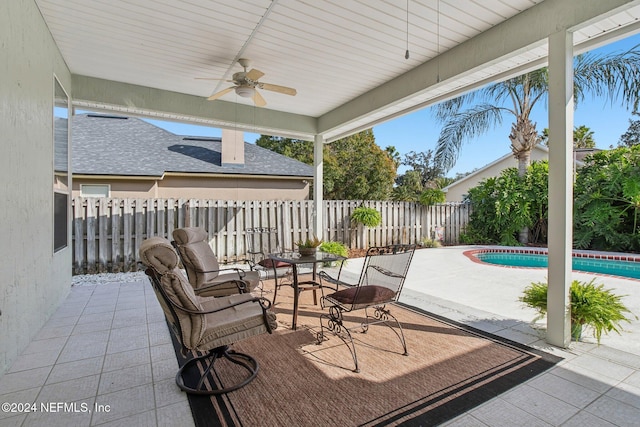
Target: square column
column 318, row 146
column 560, row 187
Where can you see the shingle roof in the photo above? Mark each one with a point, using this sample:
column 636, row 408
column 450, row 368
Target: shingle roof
column 116, row 145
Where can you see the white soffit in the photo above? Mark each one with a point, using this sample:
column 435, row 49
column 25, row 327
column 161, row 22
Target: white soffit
column 331, row 51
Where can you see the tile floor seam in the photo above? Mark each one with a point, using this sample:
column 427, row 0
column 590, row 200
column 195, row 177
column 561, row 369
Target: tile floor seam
column 102, row 367
column 67, row 338
column 153, row 375
column 602, row 393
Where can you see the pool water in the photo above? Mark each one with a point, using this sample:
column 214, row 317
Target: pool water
column 589, row 265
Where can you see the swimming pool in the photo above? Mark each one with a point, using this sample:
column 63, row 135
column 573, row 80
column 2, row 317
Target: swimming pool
column 624, row 265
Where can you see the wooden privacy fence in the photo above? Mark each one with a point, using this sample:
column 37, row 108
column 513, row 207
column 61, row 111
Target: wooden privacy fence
column 108, row 232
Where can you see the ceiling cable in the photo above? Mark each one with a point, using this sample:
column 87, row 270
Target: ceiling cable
column 406, row 54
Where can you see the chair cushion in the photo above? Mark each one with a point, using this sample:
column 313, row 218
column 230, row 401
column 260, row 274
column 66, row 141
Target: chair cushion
column 221, row 286
column 157, row 252
column 370, row 294
column 269, row 263
column 197, row 256
column 233, row 324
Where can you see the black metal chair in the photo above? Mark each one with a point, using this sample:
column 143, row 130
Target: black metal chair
column 206, row 325
column 260, row 242
column 381, row 280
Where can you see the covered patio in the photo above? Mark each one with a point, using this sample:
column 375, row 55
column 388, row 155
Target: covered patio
column 354, row 64
column 108, row 344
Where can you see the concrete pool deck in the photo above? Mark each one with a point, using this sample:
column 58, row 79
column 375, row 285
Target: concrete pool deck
column 446, row 282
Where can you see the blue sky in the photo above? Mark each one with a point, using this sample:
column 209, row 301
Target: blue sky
column 419, row 132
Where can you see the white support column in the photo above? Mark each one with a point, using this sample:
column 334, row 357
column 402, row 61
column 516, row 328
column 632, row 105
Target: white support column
column 560, row 187
column 318, row 145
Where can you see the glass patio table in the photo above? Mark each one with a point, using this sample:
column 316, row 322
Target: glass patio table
column 295, row 259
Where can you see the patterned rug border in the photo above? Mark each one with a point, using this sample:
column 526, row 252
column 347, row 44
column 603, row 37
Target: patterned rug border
column 206, row 415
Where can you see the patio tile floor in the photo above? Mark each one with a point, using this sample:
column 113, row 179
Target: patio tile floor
column 109, row 345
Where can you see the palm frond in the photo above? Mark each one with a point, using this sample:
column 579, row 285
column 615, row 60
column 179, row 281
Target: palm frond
column 615, row 76
column 463, row 126
column 445, row 109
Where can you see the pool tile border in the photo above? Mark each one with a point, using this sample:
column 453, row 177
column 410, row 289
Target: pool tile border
column 471, row 254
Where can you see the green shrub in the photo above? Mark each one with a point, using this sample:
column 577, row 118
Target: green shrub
column 607, row 201
column 432, row 196
column 502, row 206
column 430, row 243
column 369, row 217
column 336, row 248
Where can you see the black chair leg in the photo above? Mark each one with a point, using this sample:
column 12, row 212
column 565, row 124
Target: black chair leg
column 336, row 327
column 382, row 314
column 191, row 370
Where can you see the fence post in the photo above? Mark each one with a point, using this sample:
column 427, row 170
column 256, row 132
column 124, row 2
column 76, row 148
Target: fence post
column 116, row 255
column 129, row 221
column 104, row 215
column 79, row 220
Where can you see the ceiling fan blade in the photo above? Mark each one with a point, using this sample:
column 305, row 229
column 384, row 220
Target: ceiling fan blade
column 259, row 100
column 211, row 78
column 254, row 74
column 280, row 89
column 219, row 94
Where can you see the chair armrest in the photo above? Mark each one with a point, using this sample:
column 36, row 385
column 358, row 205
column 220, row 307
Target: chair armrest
column 385, row 271
column 323, row 275
column 241, row 272
column 264, row 303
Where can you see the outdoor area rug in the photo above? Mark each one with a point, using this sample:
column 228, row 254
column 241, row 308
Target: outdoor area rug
column 450, row 369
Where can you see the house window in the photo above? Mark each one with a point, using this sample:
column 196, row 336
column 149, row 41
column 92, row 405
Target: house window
column 61, row 177
column 95, row 190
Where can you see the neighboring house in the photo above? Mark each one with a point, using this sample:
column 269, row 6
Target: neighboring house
column 126, row 157
column 456, row 191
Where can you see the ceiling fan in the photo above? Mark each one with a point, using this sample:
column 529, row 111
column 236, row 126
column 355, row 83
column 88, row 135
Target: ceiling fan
column 246, row 84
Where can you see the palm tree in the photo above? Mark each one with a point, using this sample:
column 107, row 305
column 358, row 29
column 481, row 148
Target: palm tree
column 615, row 76
column 582, row 137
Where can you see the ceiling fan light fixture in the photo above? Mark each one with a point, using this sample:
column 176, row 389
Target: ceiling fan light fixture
column 245, row 91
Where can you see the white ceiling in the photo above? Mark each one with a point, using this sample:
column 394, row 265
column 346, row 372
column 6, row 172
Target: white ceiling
column 344, row 57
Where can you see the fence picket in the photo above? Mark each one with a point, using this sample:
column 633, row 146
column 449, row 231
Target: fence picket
column 108, row 232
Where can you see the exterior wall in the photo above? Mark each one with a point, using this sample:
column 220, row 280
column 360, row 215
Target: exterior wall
column 34, row 280
column 456, row 191
column 180, row 187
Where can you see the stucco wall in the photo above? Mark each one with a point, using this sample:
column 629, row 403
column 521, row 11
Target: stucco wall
column 33, row 280
column 180, row 187
column 456, row 191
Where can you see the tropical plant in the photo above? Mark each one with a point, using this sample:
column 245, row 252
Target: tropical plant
column 614, row 76
column 311, row 242
column 431, row 196
column 582, row 137
column 504, row 205
column 335, row 248
column 607, row 201
column 408, row 187
column 591, row 305
column 369, row 217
